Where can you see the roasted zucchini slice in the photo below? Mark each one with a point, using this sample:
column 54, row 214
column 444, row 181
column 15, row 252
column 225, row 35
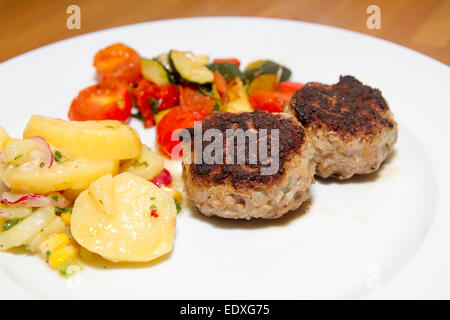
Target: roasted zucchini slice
column 163, row 58
column 188, row 68
column 268, row 67
column 255, row 65
column 265, row 82
column 154, row 71
column 202, row 59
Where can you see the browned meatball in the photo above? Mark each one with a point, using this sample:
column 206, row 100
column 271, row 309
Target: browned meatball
column 240, row 191
column 351, row 126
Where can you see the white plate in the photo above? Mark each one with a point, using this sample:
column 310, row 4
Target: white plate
column 380, row 236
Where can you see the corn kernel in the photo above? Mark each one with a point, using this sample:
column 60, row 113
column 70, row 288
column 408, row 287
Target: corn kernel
column 174, row 193
column 57, row 258
column 54, row 243
column 66, row 218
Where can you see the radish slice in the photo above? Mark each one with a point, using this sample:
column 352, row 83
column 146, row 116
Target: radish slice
column 34, row 200
column 46, row 151
column 163, row 179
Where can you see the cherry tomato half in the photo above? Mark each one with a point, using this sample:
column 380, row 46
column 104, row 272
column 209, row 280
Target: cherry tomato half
column 270, row 101
column 163, row 179
column 191, row 97
column 169, row 97
column 145, row 94
column 118, row 61
column 290, row 86
column 228, row 60
column 108, row 99
column 178, row 118
column 221, row 85
column 151, row 99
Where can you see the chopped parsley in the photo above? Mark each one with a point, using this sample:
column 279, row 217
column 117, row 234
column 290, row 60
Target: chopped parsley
column 154, row 105
column 101, row 201
column 206, row 92
column 55, row 198
column 57, row 156
column 18, row 157
column 178, row 205
column 9, row 224
column 110, row 127
column 152, row 198
column 152, row 207
column 59, row 211
column 138, row 115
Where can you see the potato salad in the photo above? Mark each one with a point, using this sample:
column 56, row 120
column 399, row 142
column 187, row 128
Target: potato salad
column 68, row 186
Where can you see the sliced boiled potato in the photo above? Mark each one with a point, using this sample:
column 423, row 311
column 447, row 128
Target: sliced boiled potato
column 74, row 174
column 27, row 228
column 129, row 231
column 14, row 212
column 101, row 191
column 148, row 165
column 18, row 152
column 4, row 138
column 99, row 140
column 56, row 227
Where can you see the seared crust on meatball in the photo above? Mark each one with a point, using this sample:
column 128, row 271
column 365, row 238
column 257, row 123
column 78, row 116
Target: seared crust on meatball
column 244, row 176
column 352, row 127
column 240, row 191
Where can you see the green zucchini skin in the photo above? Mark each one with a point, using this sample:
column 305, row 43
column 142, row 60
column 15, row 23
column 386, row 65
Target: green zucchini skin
column 228, row 70
column 269, row 67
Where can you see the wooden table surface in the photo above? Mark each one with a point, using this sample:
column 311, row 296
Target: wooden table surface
column 422, row 25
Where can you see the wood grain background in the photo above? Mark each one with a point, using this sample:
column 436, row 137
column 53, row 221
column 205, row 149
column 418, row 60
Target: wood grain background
column 422, row 25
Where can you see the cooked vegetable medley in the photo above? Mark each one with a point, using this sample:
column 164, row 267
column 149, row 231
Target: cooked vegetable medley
column 181, row 86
